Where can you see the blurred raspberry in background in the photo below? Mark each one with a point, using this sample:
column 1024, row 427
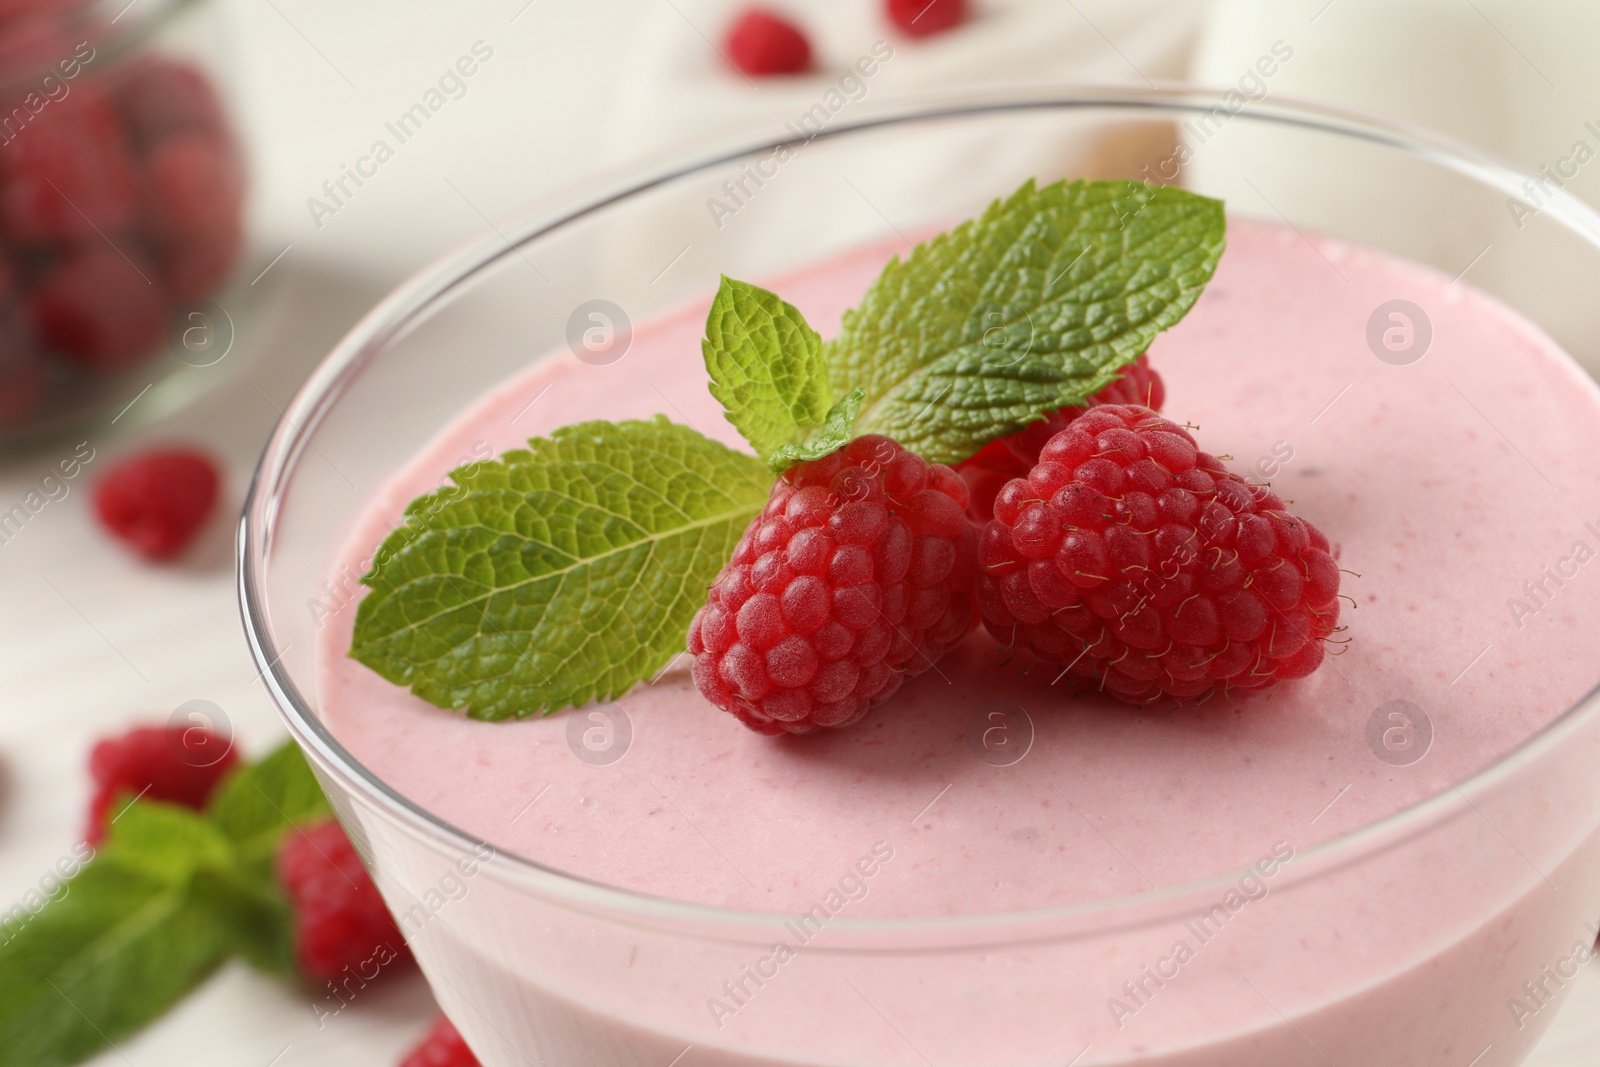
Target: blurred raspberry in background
column 121, row 199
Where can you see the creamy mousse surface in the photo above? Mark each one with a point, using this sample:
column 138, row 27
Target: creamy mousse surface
column 1458, row 490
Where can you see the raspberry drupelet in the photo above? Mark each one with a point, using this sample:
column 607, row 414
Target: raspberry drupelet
column 1134, row 561
column 987, row 472
column 855, row 577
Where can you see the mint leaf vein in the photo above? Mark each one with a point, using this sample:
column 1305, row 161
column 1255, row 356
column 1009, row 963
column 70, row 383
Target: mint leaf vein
column 1035, row 305
column 559, row 574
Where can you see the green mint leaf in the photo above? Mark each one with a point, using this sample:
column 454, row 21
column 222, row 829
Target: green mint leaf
column 766, row 367
column 172, row 894
column 114, row 950
column 253, row 809
column 256, row 916
column 232, row 880
column 166, row 841
column 837, row 430
column 559, row 574
column 255, row 805
column 1034, row 305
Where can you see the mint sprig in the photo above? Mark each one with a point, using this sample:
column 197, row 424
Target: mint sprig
column 255, row 805
column 126, row 942
column 172, row 895
column 253, row 809
column 766, row 367
column 559, row 574
column 569, row 572
column 1033, row 306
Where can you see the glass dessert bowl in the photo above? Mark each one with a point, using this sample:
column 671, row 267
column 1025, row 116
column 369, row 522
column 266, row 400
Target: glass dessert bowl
column 122, row 204
column 1393, row 861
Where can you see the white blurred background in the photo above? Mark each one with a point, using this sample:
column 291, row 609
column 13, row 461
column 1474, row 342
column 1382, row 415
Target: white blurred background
column 581, row 87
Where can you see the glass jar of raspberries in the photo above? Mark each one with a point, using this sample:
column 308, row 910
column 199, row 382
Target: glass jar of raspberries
column 122, row 193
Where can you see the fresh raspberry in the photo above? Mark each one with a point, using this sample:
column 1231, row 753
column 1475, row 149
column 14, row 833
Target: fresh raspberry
column 764, row 42
column 856, row 577
column 1132, row 559
column 177, row 764
column 923, row 18
column 159, row 98
column 194, row 211
column 199, row 262
column 339, row 917
column 31, row 41
column 987, row 472
column 440, row 1047
column 100, row 309
column 157, row 501
column 67, row 176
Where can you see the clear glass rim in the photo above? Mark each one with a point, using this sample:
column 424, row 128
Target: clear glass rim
column 390, row 317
